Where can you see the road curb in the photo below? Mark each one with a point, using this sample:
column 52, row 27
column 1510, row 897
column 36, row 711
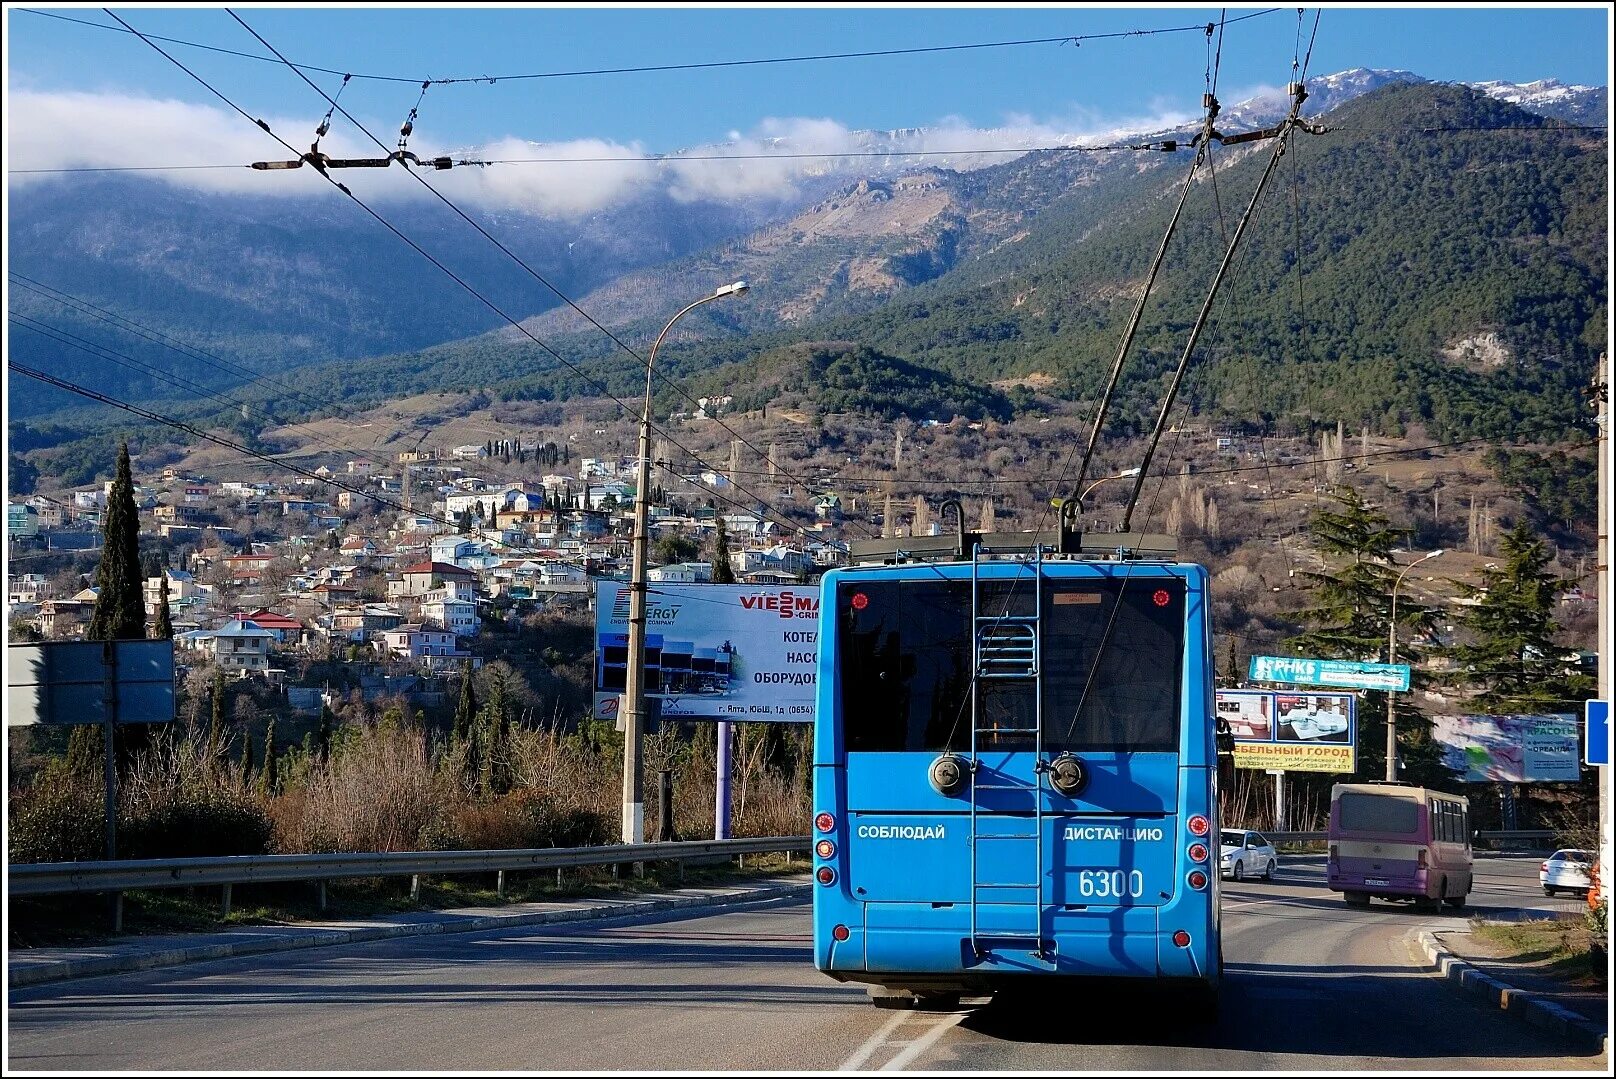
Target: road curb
column 1531, row 1008
column 316, row 937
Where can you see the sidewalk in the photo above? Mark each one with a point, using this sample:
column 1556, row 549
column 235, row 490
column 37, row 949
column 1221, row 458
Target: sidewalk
column 1533, row 987
column 34, row 965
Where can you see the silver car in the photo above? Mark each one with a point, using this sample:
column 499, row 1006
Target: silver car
column 1567, row 871
column 1246, row 854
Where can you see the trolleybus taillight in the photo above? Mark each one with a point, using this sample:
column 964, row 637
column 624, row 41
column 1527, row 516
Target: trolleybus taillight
column 1199, row 825
column 824, row 848
column 826, row 875
column 1198, row 852
column 1197, row 879
column 824, row 822
column 840, row 932
column 1182, row 939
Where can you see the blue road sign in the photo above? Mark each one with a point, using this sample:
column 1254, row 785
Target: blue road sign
column 1347, row 674
column 1596, row 740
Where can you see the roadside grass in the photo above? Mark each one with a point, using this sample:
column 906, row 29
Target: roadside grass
column 55, row 921
column 1567, row 950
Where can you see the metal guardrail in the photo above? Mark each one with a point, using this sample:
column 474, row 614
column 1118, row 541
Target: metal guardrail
column 1521, row 834
column 64, row 878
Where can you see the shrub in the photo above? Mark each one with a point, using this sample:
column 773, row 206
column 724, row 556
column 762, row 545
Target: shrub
column 60, row 817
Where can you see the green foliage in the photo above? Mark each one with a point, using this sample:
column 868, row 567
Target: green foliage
column 1562, row 488
column 59, row 818
column 193, row 822
column 164, row 629
column 1511, row 652
column 672, row 550
column 269, row 778
column 21, row 476
column 120, row 604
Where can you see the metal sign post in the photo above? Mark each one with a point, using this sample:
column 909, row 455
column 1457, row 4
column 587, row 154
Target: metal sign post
column 109, row 726
column 721, row 793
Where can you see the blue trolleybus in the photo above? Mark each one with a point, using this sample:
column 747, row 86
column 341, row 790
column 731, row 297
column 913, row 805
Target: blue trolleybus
column 1015, row 776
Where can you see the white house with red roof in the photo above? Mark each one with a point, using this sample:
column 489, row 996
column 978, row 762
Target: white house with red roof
column 415, row 581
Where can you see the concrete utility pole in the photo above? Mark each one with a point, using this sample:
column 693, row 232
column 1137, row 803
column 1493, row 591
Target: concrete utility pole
column 634, row 714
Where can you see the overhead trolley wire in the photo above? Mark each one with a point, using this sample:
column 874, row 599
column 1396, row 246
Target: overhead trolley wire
column 264, row 126
column 540, row 278
column 1073, row 39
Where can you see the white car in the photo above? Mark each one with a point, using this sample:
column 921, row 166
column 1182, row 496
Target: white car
column 1246, row 854
column 1567, row 871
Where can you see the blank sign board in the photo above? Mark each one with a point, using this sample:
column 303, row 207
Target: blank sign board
column 64, row 682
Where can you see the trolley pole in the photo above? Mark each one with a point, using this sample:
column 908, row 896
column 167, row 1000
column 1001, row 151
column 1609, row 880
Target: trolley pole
column 1603, row 647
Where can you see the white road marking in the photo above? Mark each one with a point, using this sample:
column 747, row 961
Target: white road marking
column 864, row 1052
column 922, row 1043
column 908, row 1044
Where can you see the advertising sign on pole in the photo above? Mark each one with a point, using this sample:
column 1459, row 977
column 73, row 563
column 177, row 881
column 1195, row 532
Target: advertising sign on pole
column 713, row 651
column 1345, row 673
column 1294, row 732
column 1510, row 749
column 61, row 683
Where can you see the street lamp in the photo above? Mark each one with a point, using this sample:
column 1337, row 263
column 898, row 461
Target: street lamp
column 1127, row 473
column 1391, row 657
column 634, row 718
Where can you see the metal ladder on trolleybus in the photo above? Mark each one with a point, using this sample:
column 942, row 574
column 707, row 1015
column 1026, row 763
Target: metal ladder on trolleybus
column 1006, row 647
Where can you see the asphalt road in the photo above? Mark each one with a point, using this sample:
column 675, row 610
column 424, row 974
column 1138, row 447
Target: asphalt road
column 1312, row 986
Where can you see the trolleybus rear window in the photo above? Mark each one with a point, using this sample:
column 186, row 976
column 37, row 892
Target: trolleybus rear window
column 905, row 659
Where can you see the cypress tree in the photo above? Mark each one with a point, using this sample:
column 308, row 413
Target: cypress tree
column 322, row 735
column 216, row 717
column 466, row 709
column 84, row 750
column 723, row 572
column 246, row 757
column 120, row 607
column 494, row 767
column 269, row 775
column 164, row 630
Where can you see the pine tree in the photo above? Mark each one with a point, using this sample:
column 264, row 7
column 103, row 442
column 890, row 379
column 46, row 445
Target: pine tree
column 120, row 606
column 164, row 630
column 1512, row 654
column 1351, row 619
column 269, row 777
column 723, row 572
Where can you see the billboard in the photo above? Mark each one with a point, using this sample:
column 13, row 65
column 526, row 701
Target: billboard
column 713, row 651
column 1346, row 673
column 1510, row 749
column 62, row 683
column 1291, row 732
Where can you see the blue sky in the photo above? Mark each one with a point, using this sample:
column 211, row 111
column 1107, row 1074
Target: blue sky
column 1089, row 86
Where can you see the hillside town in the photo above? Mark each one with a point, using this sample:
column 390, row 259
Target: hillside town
column 355, row 575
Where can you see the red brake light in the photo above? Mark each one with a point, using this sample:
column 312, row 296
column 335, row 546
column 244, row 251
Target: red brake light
column 1182, row 939
column 826, row 875
column 1197, row 852
column 840, row 932
column 1161, row 598
column 1197, row 879
column 824, row 822
column 824, row 848
column 860, row 601
column 1199, row 825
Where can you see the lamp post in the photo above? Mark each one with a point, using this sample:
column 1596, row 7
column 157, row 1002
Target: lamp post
column 1391, row 657
column 634, row 714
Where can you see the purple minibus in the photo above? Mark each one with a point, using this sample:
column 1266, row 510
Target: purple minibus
column 1400, row 842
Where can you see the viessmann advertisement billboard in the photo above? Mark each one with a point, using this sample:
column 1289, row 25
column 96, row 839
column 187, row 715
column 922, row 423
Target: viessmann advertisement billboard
column 713, row 651
column 1291, row 732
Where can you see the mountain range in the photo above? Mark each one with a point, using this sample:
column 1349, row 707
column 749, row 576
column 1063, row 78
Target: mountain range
column 1474, row 200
